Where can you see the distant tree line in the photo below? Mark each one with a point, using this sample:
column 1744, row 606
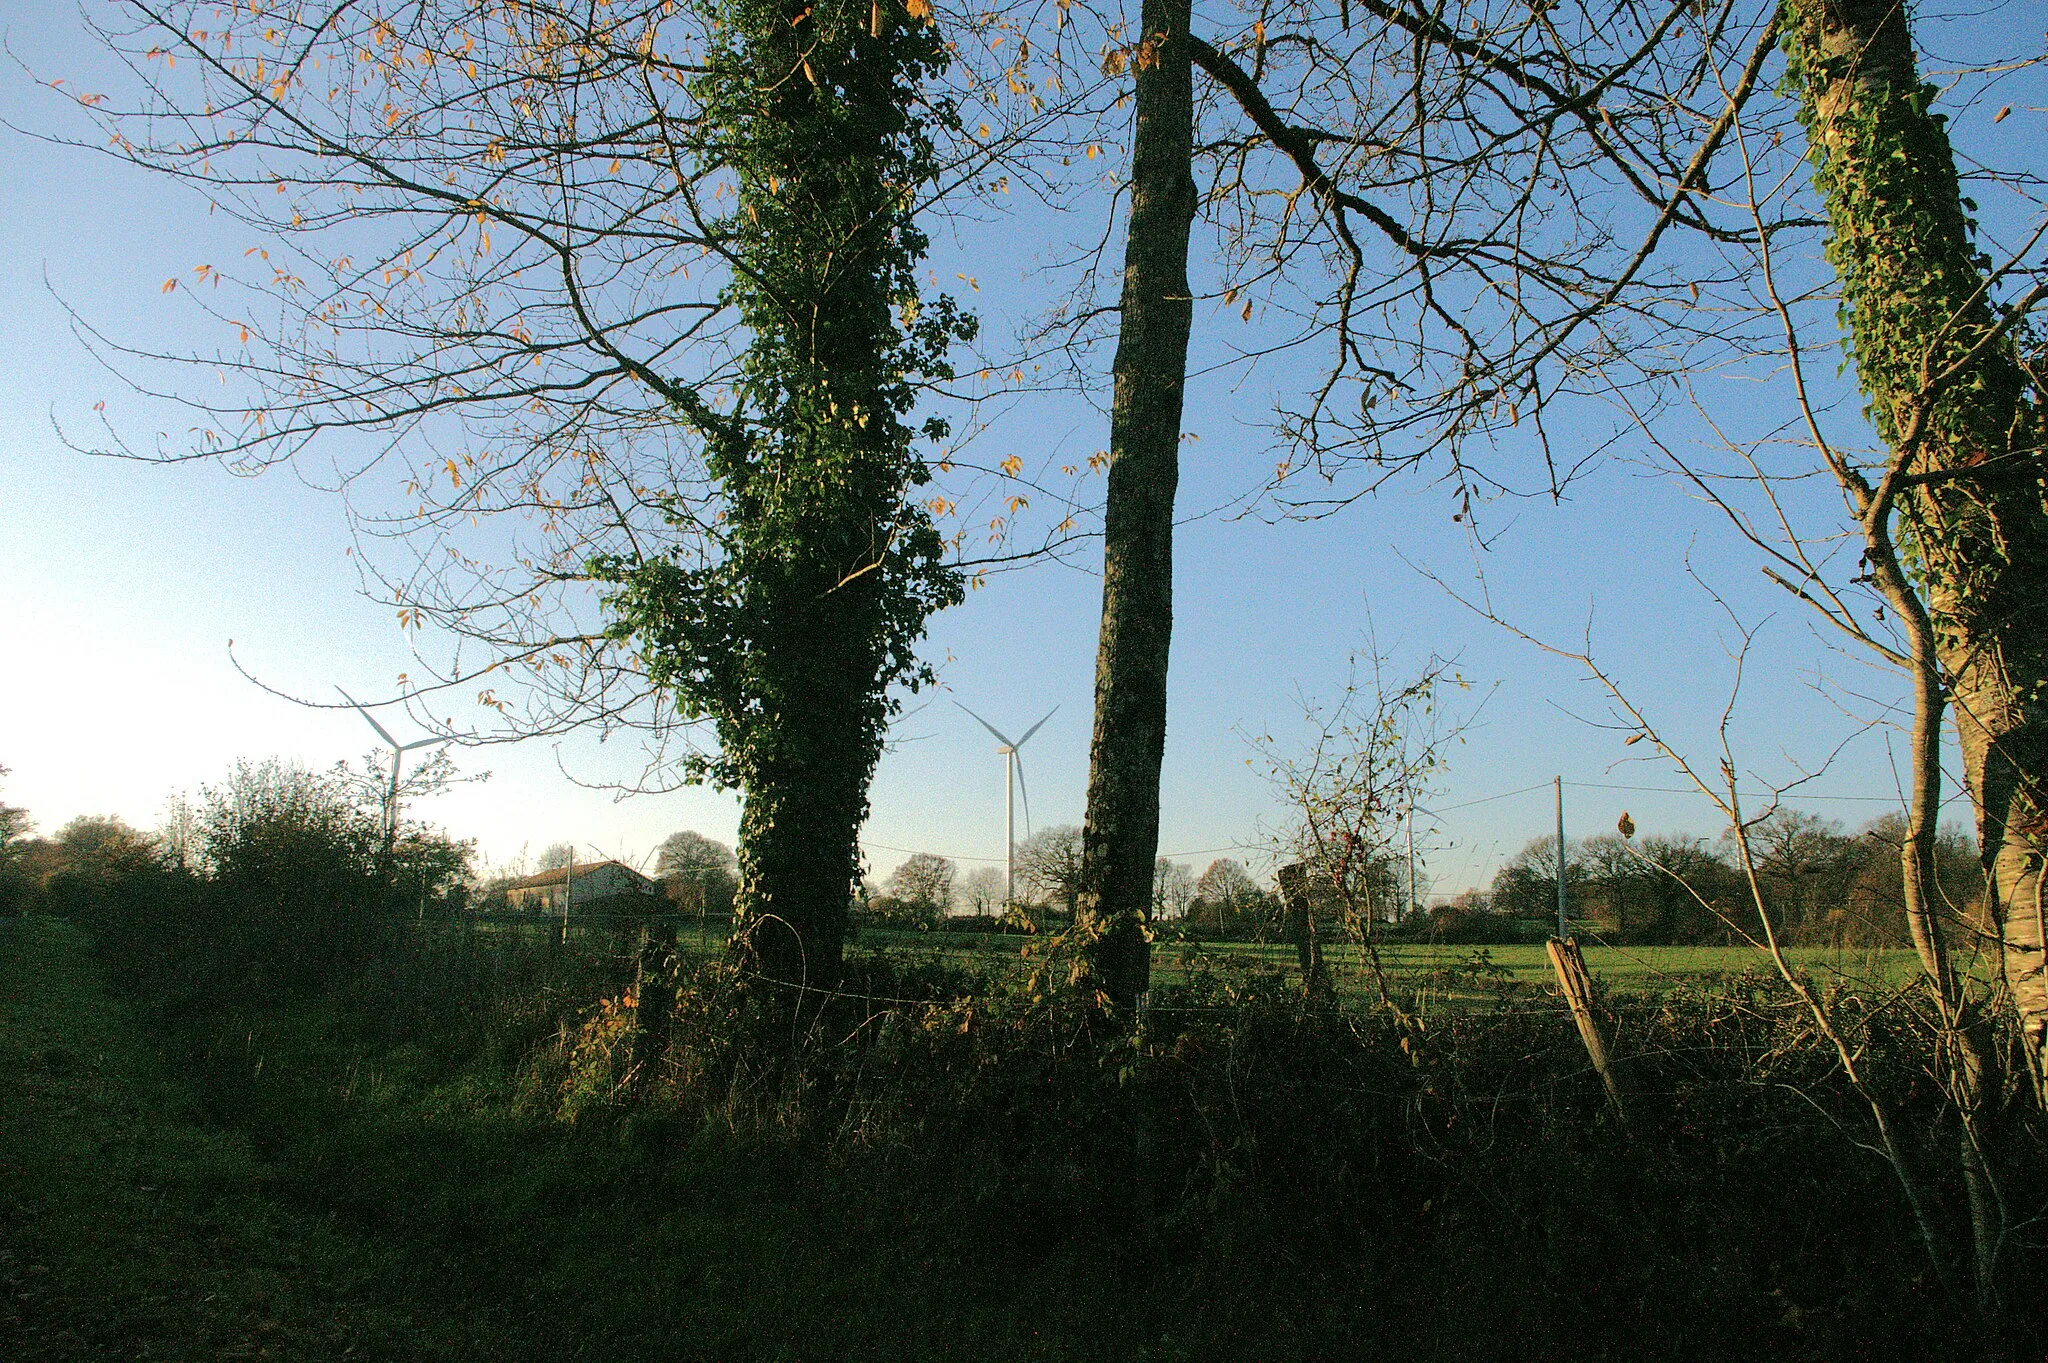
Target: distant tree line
column 1822, row 885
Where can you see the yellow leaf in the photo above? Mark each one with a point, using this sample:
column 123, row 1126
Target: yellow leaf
column 170, row 284
column 1012, row 466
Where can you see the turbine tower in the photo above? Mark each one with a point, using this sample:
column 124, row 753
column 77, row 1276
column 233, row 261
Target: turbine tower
column 398, row 752
column 1013, row 781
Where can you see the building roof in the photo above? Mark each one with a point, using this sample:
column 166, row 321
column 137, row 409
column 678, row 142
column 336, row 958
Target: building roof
column 582, row 869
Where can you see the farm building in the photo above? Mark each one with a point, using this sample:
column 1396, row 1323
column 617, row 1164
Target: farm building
column 585, row 888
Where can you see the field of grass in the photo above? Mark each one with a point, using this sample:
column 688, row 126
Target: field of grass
column 1455, row 970
column 1446, row 972
column 1628, row 968
column 387, row 1170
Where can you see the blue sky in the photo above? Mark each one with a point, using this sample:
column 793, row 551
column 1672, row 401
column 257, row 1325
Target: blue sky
column 122, row 584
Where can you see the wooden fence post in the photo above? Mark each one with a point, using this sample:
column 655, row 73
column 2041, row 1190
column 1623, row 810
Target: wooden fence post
column 653, row 997
column 1578, row 994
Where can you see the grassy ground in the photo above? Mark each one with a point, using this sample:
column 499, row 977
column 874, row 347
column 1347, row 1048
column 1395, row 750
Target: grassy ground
column 1459, row 972
column 280, row 1194
column 129, row 1226
column 343, row 1178
column 1630, row 968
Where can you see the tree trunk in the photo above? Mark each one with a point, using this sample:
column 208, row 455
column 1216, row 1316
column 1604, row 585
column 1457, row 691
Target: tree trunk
column 1120, row 838
column 800, row 828
column 1951, row 399
column 828, row 564
column 1298, row 912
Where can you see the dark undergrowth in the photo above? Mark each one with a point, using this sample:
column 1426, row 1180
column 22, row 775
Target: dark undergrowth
column 455, row 1144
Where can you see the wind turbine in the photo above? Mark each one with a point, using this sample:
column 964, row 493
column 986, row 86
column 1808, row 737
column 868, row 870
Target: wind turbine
column 1013, row 781
column 398, row 751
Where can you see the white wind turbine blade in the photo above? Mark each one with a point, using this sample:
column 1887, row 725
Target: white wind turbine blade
column 382, row 732
column 1036, row 727
column 1024, row 789
column 992, row 728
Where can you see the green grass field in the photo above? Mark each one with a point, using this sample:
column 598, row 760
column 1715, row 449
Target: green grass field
column 1446, row 971
column 1635, row 969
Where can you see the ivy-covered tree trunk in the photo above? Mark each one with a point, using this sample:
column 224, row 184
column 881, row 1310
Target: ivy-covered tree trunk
column 791, row 632
column 1964, row 424
column 1120, row 838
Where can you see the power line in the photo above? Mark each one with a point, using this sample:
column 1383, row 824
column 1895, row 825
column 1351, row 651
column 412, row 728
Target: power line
column 1483, row 800
column 1753, row 794
column 923, row 851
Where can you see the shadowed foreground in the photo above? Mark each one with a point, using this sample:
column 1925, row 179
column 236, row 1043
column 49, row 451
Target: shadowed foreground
column 438, row 1158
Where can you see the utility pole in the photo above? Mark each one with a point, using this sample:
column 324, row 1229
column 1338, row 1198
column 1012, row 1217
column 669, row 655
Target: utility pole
column 1560, row 860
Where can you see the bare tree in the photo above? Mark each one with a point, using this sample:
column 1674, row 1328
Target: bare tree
column 1430, row 194
column 1934, row 570
column 981, row 891
column 698, row 871
column 1225, row 892
column 1173, row 888
column 1049, row 866
column 1955, row 1059
column 602, row 274
column 924, row 884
